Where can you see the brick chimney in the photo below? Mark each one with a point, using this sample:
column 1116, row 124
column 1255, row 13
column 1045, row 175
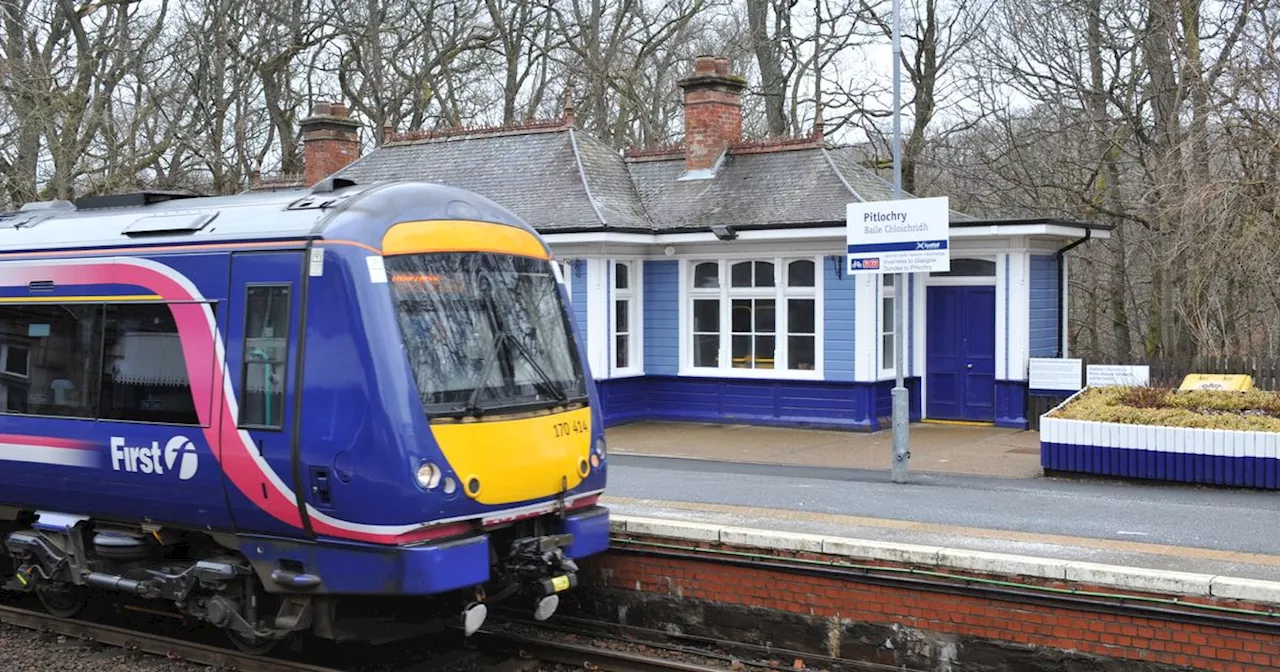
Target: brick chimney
column 330, row 140
column 712, row 112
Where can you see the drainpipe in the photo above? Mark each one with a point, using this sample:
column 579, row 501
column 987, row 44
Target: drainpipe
column 1062, row 289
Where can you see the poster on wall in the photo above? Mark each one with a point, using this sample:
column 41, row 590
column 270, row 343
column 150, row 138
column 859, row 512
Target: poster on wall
column 1054, row 374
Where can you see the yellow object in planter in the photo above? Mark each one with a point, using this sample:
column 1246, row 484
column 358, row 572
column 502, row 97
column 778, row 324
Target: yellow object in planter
column 1234, row 382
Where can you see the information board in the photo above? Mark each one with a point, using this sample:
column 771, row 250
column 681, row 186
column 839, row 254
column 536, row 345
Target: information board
column 1055, row 374
column 911, row 235
column 1110, row 375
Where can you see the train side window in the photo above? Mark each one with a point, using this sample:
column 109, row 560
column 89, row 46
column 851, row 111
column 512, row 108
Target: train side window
column 266, row 351
column 144, row 370
column 49, row 358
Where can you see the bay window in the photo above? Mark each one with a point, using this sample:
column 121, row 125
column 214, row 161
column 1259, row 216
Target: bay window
column 752, row 315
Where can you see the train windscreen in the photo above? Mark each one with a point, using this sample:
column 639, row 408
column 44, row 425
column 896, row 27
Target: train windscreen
column 485, row 333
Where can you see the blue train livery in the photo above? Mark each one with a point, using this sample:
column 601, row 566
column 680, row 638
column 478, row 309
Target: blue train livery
column 354, row 411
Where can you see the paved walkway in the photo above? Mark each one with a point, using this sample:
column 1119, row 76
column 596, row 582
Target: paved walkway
column 979, row 451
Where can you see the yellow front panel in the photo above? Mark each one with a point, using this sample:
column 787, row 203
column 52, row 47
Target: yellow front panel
column 518, row 460
column 461, row 236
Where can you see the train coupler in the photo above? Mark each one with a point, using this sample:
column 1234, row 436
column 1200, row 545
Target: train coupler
column 544, row 571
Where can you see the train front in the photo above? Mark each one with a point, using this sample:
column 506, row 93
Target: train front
column 496, row 361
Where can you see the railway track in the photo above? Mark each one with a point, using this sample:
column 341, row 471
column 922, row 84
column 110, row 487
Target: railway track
column 159, row 645
column 492, row 651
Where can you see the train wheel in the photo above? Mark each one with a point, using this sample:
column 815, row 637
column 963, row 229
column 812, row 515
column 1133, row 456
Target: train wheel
column 61, row 601
column 254, row 646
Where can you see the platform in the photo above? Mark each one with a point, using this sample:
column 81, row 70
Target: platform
column 935, row 448
column 808, row 481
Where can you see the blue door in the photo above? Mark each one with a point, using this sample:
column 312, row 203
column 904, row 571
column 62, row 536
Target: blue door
column 262, row 336
column 960, row 353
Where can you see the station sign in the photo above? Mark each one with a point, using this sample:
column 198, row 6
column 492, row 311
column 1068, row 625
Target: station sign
column 911, row 235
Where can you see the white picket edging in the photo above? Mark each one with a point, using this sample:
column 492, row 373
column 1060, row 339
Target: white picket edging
column 1219, row 456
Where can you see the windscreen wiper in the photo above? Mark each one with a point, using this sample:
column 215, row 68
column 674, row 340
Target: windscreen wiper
column 472, row 407
column 556, row 391
column 548, row 384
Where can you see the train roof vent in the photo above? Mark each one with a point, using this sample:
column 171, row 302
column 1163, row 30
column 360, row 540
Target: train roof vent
column 130, row 200
column 325, row 194
column 33, row 213
column 170, row 222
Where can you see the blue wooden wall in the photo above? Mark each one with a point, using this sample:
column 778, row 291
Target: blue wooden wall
column 1044, row 306
column 838, row 310
column 578, row 294
column 662, row 317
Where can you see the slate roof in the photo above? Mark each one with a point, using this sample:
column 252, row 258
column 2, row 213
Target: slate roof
column 559, row 179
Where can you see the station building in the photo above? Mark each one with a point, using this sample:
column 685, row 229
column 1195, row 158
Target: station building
column 709, row 278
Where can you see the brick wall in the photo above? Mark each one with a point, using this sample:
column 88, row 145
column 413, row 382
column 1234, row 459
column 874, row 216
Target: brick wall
column 904, row 625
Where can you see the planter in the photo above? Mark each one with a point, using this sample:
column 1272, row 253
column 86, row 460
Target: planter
column 1182, row 454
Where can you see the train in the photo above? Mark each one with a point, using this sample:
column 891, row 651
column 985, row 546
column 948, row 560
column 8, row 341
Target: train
column 351, row 411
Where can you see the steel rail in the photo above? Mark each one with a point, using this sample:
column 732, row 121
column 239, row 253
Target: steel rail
column 594, row 658
column 159, row 645
column 582, row 627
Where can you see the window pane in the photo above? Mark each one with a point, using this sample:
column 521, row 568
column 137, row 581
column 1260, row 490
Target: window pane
column 889, row 279
column 800, row 316
column 17, row 360
column 766, row 317
column 706, row 315
column 741, row 315
column 800, row 353
column 740, row 274
column 144, row 372
column 970, row 268
column 622, row 356
column 51, row 359
column 764, row 274
column 741, row 352
column 266, row 351
column 621, row 275
column 765, row 346
column 800, row 274
column 706, row 350
column 886, row 351
column 623, row 315
column 886, row 312
column 707, row 275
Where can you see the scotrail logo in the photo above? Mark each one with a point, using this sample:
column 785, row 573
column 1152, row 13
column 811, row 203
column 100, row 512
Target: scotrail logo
column 179, row 454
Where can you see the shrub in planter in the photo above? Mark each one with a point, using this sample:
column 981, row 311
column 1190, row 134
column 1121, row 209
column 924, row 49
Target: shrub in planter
column 1255, row 410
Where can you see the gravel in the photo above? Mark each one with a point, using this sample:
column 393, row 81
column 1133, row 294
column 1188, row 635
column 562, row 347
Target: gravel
column 34, row 651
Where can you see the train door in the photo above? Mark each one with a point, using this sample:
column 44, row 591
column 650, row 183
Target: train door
column 264, row 304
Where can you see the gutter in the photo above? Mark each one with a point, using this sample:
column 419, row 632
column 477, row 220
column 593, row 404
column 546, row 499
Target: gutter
column 1060, row 255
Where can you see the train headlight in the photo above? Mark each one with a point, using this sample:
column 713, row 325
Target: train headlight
column 600, row 450
column 429, row 475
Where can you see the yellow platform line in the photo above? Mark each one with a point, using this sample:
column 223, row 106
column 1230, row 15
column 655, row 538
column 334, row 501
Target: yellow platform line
column 957, row 423
column 784, row 515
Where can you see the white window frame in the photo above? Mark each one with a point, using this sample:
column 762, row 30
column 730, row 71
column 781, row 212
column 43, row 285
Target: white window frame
column 885, row 325
column 725, row 295
column 634, row 296
column 4, row 361
column 565, row 269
